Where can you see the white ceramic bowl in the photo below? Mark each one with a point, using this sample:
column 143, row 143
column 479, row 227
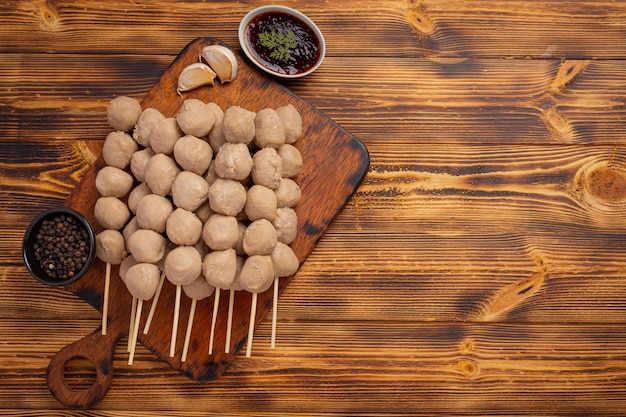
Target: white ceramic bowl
column 289, row 11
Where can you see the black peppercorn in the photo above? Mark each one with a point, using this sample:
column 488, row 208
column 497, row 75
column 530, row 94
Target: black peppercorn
column 59, row 259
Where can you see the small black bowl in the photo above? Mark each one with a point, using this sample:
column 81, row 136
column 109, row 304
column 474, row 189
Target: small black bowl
column 30, row 238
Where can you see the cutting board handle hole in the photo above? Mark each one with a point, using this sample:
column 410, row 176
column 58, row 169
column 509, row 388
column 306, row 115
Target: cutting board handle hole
column 79, row 373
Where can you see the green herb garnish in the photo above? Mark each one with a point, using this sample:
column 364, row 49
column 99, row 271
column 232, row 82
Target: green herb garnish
column 280, row 43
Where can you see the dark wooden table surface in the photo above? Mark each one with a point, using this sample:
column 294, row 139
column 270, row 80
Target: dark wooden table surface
column 480, row 268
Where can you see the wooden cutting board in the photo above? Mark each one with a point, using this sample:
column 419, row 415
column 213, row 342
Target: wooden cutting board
column 334, row 165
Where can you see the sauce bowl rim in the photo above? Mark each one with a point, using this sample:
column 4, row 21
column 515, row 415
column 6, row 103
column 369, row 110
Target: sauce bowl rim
column 287, row 10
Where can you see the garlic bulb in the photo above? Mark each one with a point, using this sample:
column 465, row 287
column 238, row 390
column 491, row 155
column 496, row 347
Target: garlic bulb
column 222, row 60
column 194, row 76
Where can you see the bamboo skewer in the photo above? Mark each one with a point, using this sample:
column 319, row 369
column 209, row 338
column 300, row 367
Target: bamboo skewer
column 251, row 325
column 154, row 303
column 216, row 305
column 105, row 306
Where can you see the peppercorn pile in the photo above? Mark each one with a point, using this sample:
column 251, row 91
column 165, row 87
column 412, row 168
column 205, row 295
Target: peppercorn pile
column 61, row 247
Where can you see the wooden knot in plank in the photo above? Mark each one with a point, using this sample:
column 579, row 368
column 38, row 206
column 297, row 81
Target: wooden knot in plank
column 607, row 183
column 568, row 71
column 420, row 22
column 601, row 186
column 467, row 367
column 49, row 16
column 513, row 294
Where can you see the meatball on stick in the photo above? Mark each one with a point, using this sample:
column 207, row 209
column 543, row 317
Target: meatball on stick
column 231, row 304
column 257, row 275
column 111, row 249
column 141, row 280
column 285, row 263
column 182, row 266
column 199, row 289
column 219, row 268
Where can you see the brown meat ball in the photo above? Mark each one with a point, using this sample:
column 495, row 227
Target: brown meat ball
column 257, row 273
column 288, row 193
column 118, row 149
column 153, row 211
column 269, row 129
column 285, row 261
column 220, row 232
column 267, row 168
column 204, row 212
column 126, row 264
column 146, row 246
column 195, row 118
column 131, row 227
column 260, row 238
column 183, row 265
column 193, row 154
column 291, row 160
column 261, row 203
column 111, row 213
column 286, row 224
column 113, row 182
column 164, row 134
column 139, row 162
column 241, row 231
column 292, row 121
column 137, row 194
column 233, row 161
column 183, row 227
column 227, row 197
column 219, row 268
column 160, row 174
column 142, row 280
column 123, row 113
column 238, row 125
column 110, row 246
column 189, row 190
column 216, row 136
column 210, row 176
column 149, row 117
column 198, row 289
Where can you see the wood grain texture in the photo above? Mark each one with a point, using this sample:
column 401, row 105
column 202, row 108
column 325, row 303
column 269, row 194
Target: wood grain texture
column 480, row 269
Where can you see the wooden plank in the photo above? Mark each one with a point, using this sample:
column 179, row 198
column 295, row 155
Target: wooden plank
column 358, row 368
column 418, row 100
column 455, row 230
column 557, row 28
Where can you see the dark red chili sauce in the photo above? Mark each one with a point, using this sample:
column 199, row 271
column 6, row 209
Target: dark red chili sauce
column 282, row 43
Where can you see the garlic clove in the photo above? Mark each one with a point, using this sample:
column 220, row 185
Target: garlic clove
column 222, row 60
column 194, row 76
